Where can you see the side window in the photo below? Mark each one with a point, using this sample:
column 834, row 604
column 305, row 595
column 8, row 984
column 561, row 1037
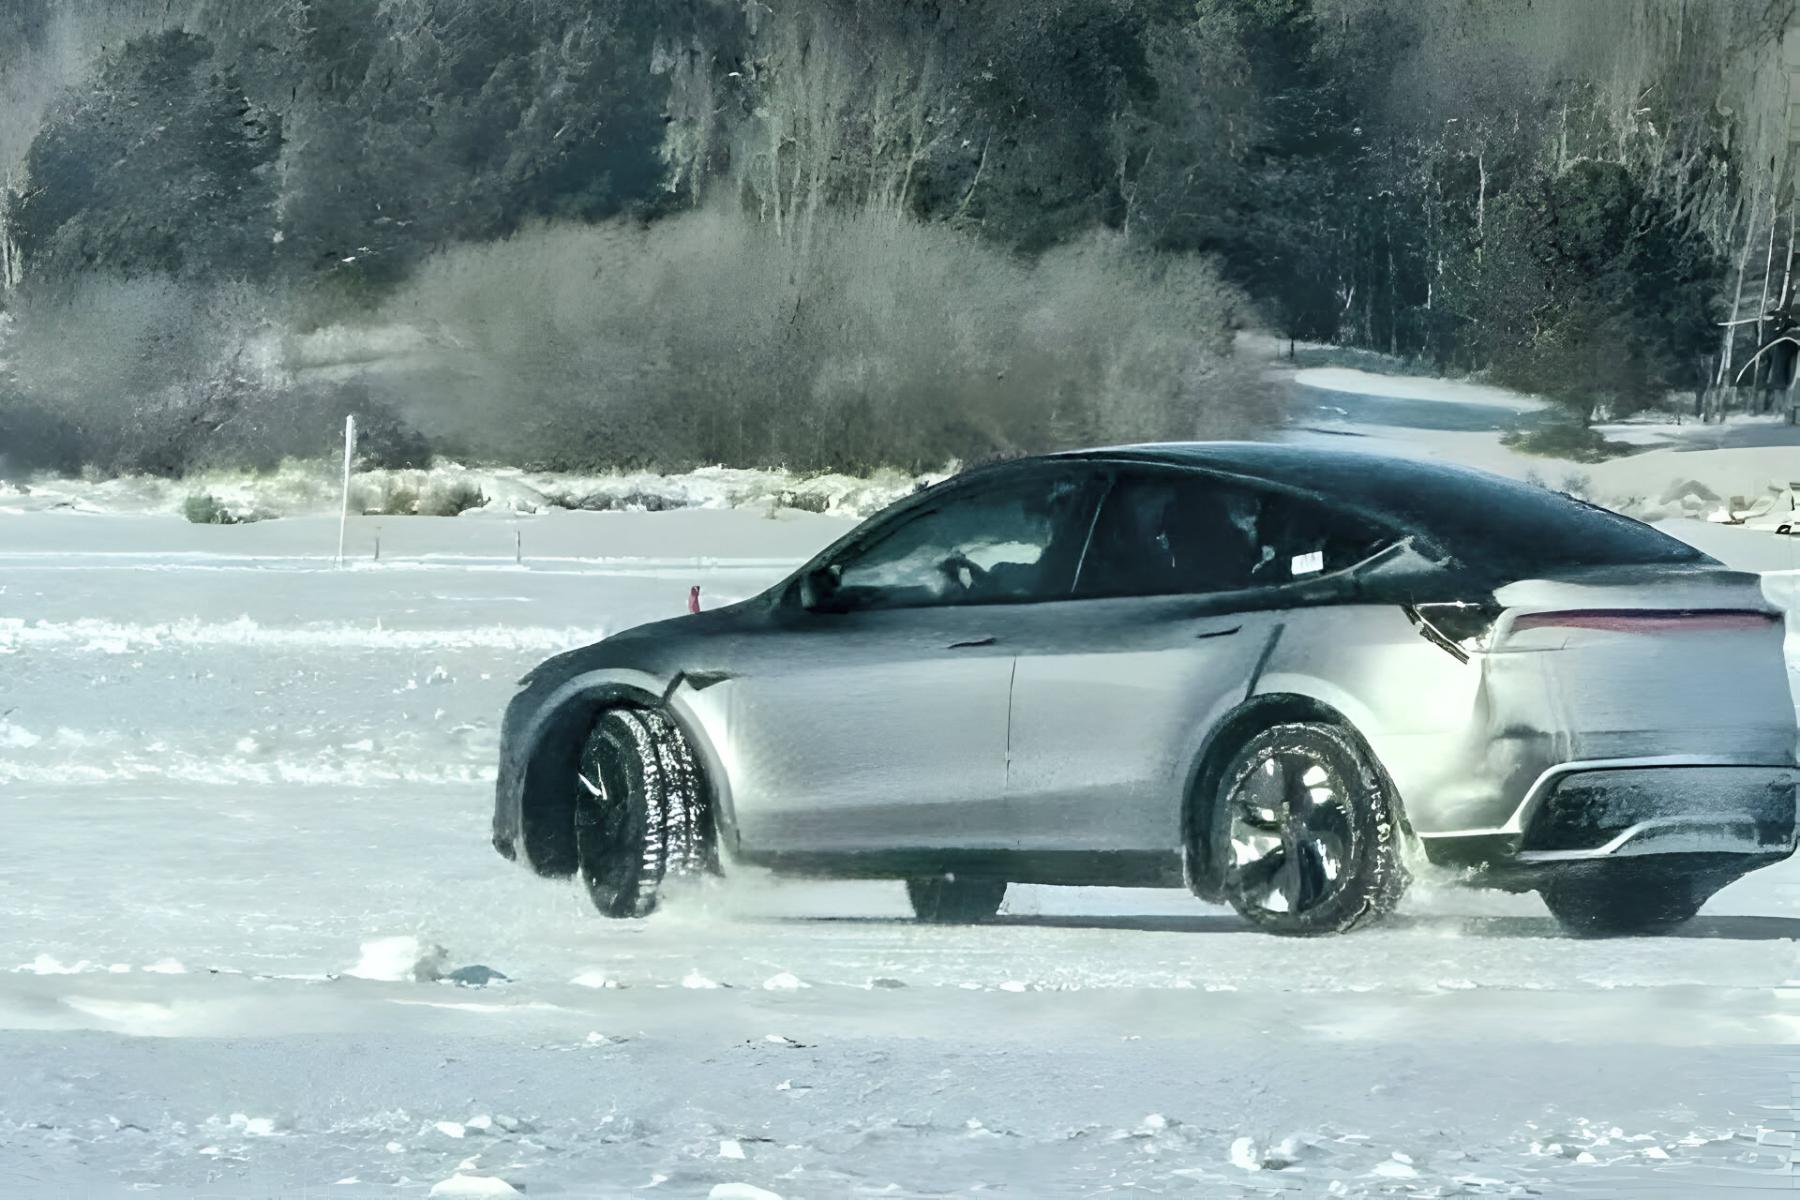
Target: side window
column 1169, row 533
column 1015, row 541
column 1301, row 539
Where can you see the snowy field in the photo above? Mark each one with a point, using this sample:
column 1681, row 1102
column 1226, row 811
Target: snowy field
column 229, row 772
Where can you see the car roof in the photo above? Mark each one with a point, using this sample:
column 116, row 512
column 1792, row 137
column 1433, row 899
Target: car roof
column 1472, row 514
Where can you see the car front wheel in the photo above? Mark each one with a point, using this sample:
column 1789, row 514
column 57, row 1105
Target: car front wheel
column 640, row 811
column 1308, row 833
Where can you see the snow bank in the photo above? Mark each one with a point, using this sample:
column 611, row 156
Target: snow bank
column 1656, row 483
column 116, row 637
column 299, row 488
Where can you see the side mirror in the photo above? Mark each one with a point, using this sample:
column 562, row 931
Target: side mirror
column 819, row 590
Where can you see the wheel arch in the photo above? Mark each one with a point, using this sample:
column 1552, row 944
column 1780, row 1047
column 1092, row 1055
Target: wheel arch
column 545, row 788
column 1226, row 738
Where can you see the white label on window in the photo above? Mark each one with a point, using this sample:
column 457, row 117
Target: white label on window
column 1309, row 564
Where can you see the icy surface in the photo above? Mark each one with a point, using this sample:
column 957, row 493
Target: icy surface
column 253, row 941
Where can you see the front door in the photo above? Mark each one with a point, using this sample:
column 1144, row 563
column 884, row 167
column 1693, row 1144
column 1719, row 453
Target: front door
column 871, row 718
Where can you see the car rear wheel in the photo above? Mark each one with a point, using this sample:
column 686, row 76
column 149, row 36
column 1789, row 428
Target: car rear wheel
column 1627, row 899
column 947, row 900
column 640, row 812
column 1307, row 832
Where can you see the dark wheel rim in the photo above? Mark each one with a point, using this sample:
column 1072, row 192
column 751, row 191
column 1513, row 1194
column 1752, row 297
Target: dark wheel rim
column 1291, row 833
column 610, row 857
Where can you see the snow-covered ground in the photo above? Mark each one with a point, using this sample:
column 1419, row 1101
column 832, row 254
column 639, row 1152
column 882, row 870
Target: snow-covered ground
column 253, row 941
column 1681, row 468
column 247, row 794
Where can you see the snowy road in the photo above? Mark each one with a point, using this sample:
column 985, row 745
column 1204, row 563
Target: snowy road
column 224, row 768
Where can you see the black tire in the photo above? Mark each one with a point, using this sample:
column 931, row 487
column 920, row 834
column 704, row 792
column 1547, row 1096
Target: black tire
column 947, row 900
column 1626, row 899
column 640, row 811
column 1306, row 832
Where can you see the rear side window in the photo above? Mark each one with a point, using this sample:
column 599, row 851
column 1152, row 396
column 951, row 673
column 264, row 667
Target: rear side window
column 1502, row 526
column 1170, row 533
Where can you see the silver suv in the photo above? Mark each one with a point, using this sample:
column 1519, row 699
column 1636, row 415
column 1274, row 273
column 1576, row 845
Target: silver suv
column 1272, row 675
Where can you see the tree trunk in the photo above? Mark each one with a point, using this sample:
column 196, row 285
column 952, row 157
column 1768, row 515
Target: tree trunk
column 1737, row 299
column 1787, row 270
column 12, row 271
column 1480, row 202
column 1762, row 305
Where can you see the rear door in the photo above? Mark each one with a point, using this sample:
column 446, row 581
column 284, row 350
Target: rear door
column 1176, row 603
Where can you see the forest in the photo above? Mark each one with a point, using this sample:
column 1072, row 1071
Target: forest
column 835, row 234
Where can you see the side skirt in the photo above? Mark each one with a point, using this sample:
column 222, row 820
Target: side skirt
column 1073, row 868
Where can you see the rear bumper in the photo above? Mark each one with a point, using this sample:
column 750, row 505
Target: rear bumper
column 1591, row 811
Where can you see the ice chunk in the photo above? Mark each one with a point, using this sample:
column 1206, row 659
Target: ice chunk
column 1243, row 1155
column 398, row 959
column 477, row 975
column 1282, row 1154
column 730, row 1148
column 740, row 1191
column 471, row 1187
column 14, row 738
column 695, row 980
column 595, row 979
column 784, row 982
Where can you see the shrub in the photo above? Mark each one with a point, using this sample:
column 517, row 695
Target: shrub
column 855, row 341
column 450, row 500
column 203, row 508
column 35, row 439
column 812, row 502
column 163, row 377
column 1564, row 439
column 846, row 342
column 398, row 501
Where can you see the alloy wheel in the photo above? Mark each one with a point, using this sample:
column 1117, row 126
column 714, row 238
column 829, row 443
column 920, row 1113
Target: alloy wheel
column 1291, row 832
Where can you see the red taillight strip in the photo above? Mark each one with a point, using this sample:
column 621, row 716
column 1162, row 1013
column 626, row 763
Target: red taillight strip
column 1638, row 620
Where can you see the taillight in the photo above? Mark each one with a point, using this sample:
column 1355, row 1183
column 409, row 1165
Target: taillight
column 1627, row 620
column 1461, row 628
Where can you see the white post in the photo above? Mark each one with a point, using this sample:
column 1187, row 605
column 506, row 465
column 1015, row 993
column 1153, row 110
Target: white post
column 349, row 459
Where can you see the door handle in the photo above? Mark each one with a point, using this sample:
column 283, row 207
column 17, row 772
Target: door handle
column 987, row 640
column 1221, row 631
